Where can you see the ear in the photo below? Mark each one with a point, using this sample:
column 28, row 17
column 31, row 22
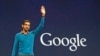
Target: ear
column 22, row 25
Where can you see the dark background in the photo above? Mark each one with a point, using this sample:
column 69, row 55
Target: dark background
column 63, row 18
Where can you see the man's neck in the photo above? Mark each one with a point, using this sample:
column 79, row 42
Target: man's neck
column 24, row 32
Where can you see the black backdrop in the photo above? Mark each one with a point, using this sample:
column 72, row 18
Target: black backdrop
column 63, row 18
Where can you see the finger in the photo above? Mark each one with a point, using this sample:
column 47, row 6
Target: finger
column 42, row 7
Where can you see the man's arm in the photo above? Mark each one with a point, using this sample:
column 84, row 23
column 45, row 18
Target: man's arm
column 43, row 12
column 41, row 25
column 14, row 46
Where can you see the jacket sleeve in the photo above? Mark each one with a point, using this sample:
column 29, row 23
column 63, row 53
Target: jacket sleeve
column 41, row 25
column 15, row 45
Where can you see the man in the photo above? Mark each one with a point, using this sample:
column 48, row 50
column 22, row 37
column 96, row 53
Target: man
column 24, row 40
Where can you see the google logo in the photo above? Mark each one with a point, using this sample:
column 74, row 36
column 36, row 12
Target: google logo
column 74, row 42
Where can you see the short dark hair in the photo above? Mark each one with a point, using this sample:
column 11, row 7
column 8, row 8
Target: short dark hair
column 25, row 21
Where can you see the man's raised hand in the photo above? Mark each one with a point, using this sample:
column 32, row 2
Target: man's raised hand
column 43, row 12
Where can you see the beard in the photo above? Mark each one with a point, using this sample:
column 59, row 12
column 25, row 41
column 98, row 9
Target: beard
column 26, row 29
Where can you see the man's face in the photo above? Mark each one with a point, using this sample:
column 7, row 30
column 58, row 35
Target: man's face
column 26, row 26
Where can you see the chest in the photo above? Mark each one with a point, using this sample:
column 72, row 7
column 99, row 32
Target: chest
column 26, row 38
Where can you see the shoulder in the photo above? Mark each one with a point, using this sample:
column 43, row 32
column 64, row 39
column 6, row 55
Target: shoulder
column 31, row 32
column 17, row 34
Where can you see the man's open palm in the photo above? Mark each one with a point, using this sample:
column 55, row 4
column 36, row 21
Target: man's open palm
column 43, row 10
